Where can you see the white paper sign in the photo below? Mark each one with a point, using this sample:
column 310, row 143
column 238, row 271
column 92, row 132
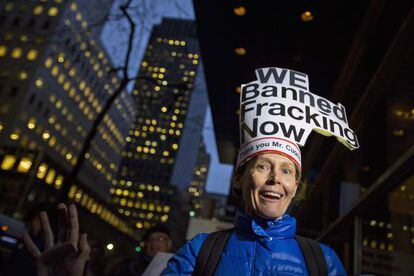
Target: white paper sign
column 158, row 264
column 280, row 104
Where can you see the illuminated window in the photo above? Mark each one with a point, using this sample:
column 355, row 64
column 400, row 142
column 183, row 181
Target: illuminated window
column 8, row 162
column 38, row 10
column 50, row 176
column 73, row 6
column 61, row 78
column 240, row 51
column 72, row 72
column 32, row 123
column 48, row 62
column 22, row 75
column 8, row 7
column 41, row 172
column 32, row 54
column 53, row 11
column 16, row 53
column 58, row 181
column 24, row 165
column 61, row 57
column 45, row 135
column 307, row 16
column 3, row 50
column 239, row 11
column 39, row 83
column 55, row 70
column 69, row 156
column 14, row 136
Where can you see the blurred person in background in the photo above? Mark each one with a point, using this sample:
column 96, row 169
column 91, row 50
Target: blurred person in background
column 156, row 239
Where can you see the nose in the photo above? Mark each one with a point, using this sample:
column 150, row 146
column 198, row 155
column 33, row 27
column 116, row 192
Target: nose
column 273, row 178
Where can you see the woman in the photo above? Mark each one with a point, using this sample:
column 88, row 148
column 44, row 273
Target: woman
column 263, row 241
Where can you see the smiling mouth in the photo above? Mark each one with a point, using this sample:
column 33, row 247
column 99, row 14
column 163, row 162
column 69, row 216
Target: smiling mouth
column 271, row 195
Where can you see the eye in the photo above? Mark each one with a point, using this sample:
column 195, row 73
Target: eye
column 262, row 166
column 287, row 171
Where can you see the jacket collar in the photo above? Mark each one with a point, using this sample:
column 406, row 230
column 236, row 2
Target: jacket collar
column 284, row 227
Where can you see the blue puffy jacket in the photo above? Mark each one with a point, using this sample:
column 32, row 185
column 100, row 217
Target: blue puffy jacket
column 255, row 248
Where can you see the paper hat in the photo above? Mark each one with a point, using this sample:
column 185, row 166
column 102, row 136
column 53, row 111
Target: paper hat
column 278, row 112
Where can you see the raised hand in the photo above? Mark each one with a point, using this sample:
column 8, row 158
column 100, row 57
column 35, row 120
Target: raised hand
column 69, row 255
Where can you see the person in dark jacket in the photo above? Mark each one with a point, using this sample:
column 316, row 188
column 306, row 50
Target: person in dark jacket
column 156, row 239
column 266, row 178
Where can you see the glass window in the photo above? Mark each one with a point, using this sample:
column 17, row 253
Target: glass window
column 41, row 172
column 38, row 10
column 3, row 50
column 24, row 165
column 50, row 176
column 32, row 54
column 16, row 53
column 8, row 162
column 53, row 11
column 22, row 75
column 387, row 239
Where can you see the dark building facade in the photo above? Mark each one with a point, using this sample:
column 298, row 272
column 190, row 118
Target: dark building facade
column 361, row 55
column 162, row 93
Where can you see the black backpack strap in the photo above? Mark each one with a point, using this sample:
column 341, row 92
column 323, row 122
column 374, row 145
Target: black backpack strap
column 210, row 252
column 314, row 257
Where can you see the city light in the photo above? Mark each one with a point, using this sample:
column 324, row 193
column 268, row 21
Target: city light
column 306, row 16
column 8, row 162
column 240, row 51
column 24, row 165
column 110, row 246
column 239, row 11
column 14, row 136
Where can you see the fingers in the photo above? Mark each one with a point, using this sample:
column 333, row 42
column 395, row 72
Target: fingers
column 47, row 231
column 79, row 264
column 58, row 254
column 31, row 247
column 73, row 226
column 63, row 223
column 84, row 246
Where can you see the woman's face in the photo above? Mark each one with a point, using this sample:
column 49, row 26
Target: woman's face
column 268, row 185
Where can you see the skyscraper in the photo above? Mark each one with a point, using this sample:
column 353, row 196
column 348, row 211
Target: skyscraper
column 55, row 79
column 198, row 183
column 163, row 93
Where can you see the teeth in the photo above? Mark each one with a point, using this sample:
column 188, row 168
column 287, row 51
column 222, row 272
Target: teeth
column 278, row 195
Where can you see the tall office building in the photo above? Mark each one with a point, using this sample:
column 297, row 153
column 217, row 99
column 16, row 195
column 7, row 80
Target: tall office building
column 55, row 79
column 198, row 183
column 163, row 93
